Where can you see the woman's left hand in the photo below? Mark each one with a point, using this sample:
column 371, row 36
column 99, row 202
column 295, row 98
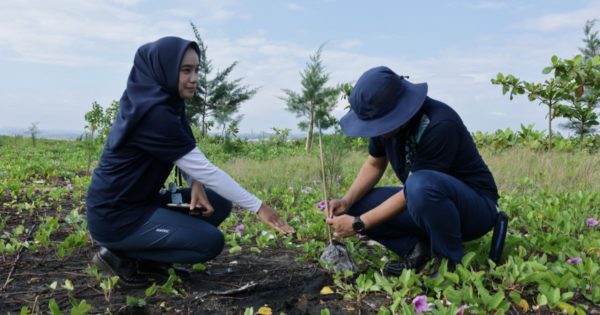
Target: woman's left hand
column 342, row 225
column 199, row 200
column 271, row 217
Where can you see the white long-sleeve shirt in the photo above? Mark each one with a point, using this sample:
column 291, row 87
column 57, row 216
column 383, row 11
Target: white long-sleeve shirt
column 199, row 168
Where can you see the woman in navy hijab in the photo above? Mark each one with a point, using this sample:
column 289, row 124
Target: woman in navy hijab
column 127, row 215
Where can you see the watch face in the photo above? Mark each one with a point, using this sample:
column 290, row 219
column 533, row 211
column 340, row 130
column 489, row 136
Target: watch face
column 358, row 225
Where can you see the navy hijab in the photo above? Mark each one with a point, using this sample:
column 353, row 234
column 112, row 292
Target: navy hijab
column 153, row 80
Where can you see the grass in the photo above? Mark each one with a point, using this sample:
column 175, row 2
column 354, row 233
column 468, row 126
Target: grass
column 513, row 169
column 549, row 171
column 292, row 171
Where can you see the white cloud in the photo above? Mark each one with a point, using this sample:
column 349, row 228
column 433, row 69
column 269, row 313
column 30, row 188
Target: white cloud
column 74, row 33
column 348, row 44
column 564, row 20
column 483, row 4
column 478, row 77
column 294, row 7
column 125, row 2
column 66, row 33
column 490, row 4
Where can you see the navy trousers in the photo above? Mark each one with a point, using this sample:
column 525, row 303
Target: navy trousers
column 440, row 209
column 176, row 237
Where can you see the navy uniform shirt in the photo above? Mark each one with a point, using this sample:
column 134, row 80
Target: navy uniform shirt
column 125, row 186
column 444, row 145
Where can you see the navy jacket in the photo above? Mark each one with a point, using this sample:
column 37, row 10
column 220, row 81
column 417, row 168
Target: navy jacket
column 444, row 145
column 148, row 135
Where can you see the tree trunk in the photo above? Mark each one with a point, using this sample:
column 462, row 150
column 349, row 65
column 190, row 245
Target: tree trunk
column 203, row 127
column 550, row 127
column 203, row 113
column 309, row 134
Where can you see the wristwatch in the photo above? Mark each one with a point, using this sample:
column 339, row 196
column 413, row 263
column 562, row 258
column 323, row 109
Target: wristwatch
column 358, row 225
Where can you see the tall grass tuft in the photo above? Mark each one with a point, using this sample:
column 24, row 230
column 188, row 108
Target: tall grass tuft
column 514, row 169
column 520, row 168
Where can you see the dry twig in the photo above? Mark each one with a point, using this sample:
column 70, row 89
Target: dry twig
column 248, row 286
column 14, row 264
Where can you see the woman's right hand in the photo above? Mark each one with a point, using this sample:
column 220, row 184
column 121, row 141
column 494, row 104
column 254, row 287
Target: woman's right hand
column 338, row 207
column 272, row 218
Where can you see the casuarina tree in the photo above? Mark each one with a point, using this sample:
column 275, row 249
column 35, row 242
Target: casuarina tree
column 315, row 102
column 591, row 41
column 217, row 96
column 590, row 51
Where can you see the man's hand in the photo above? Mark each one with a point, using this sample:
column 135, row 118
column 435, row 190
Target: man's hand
column 342, row 225
column 199, row 200
column 271, row 218
column 338, row 207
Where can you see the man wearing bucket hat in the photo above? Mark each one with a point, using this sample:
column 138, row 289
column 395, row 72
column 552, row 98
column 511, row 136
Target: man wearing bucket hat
column 449, row 194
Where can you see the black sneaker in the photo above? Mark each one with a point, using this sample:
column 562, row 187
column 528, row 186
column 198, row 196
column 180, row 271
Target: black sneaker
column 123, row 267
column 160, row 271
column 416, row 259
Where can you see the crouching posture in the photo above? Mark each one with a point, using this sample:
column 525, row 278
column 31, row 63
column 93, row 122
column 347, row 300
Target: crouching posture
column 127, row 215
column 449, row 194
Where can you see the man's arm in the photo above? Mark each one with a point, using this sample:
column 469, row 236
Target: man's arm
column 370, row 173
column 389, row 208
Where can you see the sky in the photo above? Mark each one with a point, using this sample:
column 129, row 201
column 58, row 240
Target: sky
column 59, row 56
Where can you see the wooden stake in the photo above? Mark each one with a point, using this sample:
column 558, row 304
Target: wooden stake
column 324, row 179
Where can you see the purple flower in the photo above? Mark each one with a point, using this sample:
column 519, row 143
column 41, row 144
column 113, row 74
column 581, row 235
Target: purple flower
column 574, row 260
column 322, row 205
column 69, row 186
column 7, row 194
column 420, row 304
column 591, row 222
column 461, row 309
column 240, row 229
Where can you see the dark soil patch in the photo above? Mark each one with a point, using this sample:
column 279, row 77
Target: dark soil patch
column 274, row 277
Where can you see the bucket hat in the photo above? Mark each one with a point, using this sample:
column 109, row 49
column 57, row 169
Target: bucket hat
column 380, row 102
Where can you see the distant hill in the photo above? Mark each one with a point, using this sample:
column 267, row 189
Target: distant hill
column 73, row 134
column 46, row 134
column 266, row 135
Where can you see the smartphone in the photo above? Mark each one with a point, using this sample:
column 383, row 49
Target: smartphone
column 179, row 205
column 184, row 207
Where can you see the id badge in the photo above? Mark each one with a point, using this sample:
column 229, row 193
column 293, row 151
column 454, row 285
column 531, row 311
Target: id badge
column 176, row 197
